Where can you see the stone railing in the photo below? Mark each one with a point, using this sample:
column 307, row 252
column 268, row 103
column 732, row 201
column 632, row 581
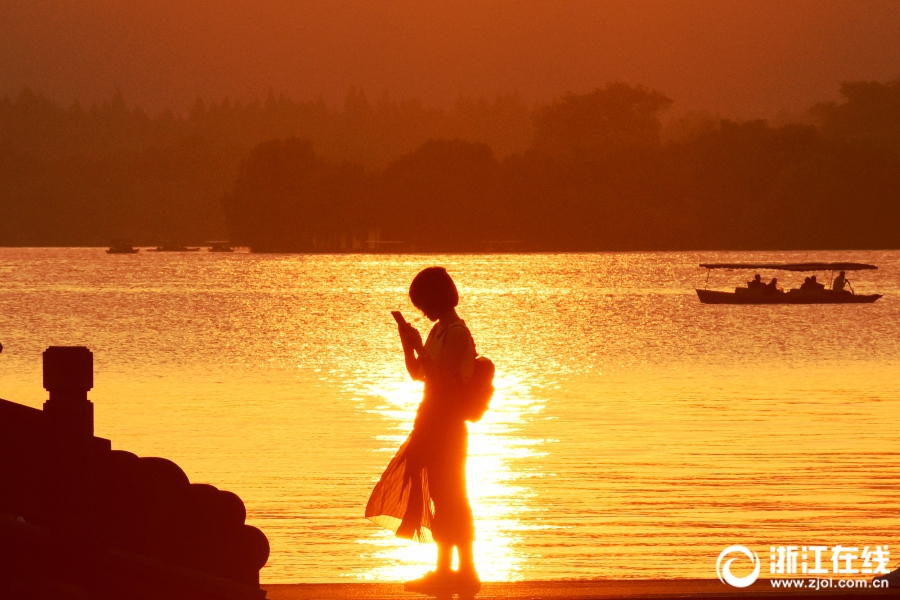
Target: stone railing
column 80, row 520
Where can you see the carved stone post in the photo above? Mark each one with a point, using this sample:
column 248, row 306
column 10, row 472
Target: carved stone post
column 68, row 376
column 69, row 430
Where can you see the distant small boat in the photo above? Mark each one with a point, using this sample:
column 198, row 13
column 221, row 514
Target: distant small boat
column 220, row 247
column 169, row 247
column 122, row 247
column 763, row 294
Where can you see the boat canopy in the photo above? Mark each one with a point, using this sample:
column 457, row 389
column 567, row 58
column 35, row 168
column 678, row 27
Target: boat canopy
column 811, row 266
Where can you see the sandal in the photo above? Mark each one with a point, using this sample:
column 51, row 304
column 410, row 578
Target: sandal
column 432, row 581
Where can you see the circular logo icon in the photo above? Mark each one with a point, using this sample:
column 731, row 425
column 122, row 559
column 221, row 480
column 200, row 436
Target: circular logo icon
column 724, row 571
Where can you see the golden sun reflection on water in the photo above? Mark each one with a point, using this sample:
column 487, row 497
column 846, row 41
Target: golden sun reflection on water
column 496, row 480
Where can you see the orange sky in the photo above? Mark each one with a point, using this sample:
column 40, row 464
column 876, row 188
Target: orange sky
column 739, row 58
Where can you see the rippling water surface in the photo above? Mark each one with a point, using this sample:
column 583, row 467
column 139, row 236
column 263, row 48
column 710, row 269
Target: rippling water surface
column 634, row 431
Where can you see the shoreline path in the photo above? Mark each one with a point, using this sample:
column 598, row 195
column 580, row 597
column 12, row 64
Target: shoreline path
column 707, row 589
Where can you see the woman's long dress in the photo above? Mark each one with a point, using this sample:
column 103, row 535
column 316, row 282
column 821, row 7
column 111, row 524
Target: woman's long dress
column 422, row 493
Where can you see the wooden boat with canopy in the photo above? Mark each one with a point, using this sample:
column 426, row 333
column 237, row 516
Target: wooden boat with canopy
column 760, row 293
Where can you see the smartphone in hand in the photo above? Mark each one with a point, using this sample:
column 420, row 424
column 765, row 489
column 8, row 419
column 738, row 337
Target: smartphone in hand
column 398, row 317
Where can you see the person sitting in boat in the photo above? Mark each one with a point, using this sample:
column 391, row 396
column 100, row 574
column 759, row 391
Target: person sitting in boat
column 756, row 283
column 772, row 286
column 839, row 282
column 811, row 285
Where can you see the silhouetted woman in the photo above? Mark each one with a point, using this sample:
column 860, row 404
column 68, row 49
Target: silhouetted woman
column 431, row 465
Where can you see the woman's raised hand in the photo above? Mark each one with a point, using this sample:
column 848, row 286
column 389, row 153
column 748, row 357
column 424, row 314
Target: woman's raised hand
column 409, row 336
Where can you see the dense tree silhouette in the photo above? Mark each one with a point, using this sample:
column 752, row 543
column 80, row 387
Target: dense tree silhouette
column 288, row 198
column 593, row 171
column 869, row 114
column 83, row 176
column 443, row 196
column 611, row 119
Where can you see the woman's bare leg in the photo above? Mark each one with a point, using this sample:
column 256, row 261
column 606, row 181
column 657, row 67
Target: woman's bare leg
column 467, row 560
column 444, row 558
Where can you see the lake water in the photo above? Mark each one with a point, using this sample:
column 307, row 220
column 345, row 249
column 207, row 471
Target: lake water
column 634, row 431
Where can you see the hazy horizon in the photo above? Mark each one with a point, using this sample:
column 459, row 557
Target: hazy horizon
column 747, row 60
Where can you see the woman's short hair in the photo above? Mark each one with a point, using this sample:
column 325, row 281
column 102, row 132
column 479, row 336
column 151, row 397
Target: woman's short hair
column 433, row 291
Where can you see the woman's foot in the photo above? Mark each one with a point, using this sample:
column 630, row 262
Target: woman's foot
column 467, row 581
column 432, row 581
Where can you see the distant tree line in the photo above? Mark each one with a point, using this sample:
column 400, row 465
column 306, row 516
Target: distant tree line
column 85, row 175
column 598, row 175
column 593, row 171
